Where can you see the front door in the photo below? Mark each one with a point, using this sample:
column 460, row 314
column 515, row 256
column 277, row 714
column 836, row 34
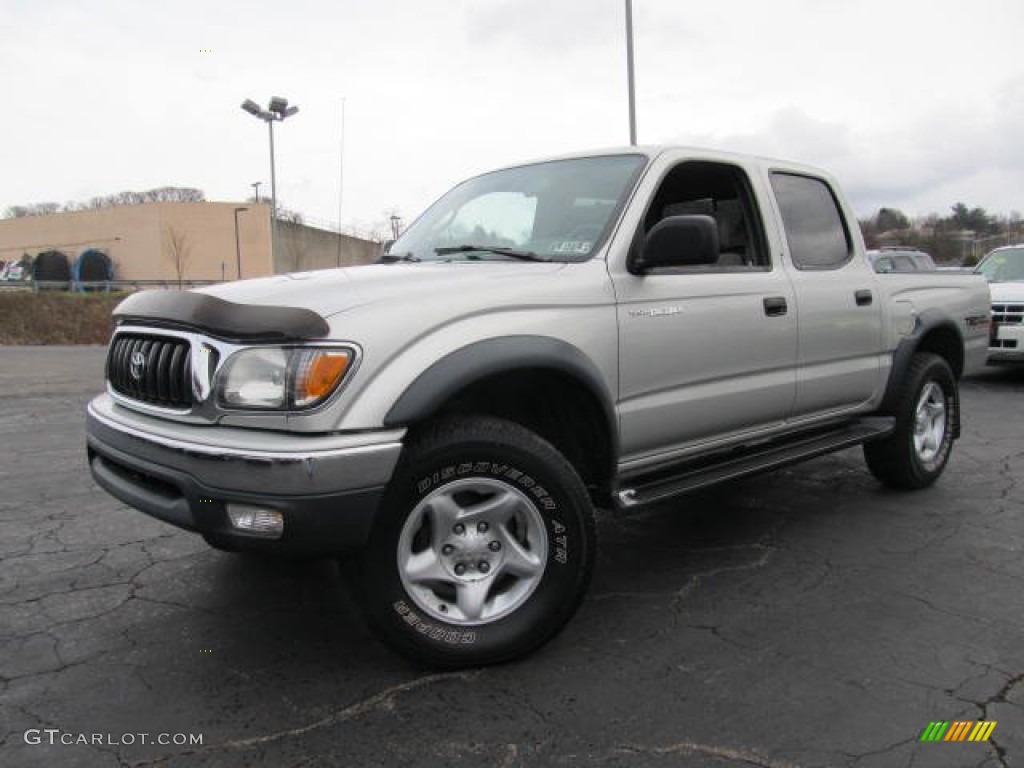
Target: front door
column 706, row 352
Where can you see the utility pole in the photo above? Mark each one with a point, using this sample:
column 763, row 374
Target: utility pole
column 341, row 176
column 238, row 246
column 631, row 85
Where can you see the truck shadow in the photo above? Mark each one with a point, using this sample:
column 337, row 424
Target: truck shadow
column 1009, row 378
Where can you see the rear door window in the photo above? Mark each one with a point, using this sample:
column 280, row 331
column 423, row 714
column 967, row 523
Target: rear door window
column 815, row 229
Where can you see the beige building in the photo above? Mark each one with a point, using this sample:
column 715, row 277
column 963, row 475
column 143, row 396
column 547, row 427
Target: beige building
column 184, row 241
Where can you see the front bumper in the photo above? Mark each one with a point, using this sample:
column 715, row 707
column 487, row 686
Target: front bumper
column 1007, row 343
column 326, row 487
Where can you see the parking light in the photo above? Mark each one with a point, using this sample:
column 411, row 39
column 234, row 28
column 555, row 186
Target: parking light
column 258, row 521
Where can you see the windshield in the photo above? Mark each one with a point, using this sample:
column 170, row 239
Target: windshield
column 1003, row 265
column 555, row 211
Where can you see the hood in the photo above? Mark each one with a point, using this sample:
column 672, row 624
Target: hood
column 333, row 291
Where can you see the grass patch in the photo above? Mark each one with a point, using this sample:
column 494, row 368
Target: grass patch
column 56, row 317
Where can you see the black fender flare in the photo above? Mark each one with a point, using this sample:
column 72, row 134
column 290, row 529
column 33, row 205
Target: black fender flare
column 488, row 357
column 927, row 322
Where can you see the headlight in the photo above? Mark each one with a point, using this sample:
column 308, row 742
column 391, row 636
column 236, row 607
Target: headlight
column 282, row 378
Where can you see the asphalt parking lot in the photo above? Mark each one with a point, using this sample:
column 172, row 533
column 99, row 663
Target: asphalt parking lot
column 802, row 618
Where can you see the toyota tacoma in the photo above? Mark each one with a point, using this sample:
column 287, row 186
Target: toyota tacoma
column 607, row 329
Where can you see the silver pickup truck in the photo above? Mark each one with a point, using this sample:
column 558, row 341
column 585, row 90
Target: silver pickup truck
column 613, row 328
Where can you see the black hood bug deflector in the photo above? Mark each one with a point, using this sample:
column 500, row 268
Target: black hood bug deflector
column 217, row 317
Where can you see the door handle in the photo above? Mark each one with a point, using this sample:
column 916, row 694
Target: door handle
column 863, row 297
column 775, row 306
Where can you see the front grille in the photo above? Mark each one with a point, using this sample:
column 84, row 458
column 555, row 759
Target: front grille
column 152, row 369
column 1008, row 314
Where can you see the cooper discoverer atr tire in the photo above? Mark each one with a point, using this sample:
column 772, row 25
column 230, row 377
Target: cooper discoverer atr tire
column 917, row 451
column 483, row 547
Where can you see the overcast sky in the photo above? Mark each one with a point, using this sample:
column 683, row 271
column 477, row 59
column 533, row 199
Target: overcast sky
column 915, row 104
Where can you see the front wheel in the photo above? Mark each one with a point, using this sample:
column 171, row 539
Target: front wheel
column 916, row 453
column 483, row 548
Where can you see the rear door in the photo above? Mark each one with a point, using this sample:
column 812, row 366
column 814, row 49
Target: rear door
column 840, row 311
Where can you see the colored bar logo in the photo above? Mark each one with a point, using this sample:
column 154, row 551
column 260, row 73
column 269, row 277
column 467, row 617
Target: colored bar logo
column 959, row 730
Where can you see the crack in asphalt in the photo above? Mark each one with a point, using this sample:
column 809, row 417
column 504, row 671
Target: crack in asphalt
column 948, row 533
column 497, row 754
column 859, row 756
column 684, row 748
column 999, row 697
column 694, row 580
column 129, row 581
column 677, row 596
column 930, row 605
column 981, row 565
column 383, row 701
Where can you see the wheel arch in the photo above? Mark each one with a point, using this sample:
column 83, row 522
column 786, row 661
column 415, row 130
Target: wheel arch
column 936, row 333
column 545, row 384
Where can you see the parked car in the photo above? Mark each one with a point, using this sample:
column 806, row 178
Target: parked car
column 1004, row 270
column 615, row 329
column 12, row 270
column 901, row 260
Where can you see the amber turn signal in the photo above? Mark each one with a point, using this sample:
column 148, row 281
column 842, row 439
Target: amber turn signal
column 319, row 374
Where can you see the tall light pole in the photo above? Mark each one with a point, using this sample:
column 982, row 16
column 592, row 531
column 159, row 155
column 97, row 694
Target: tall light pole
column 631, row 85
column 238, row 247
column 276, row 111
column 256, row 189
column 341, row 174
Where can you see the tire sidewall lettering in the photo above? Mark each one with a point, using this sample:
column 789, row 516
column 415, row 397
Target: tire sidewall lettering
column 449, row 635
column 557, row 531
column 527, row 484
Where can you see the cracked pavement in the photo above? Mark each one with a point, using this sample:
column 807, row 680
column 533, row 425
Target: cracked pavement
column 799, row 619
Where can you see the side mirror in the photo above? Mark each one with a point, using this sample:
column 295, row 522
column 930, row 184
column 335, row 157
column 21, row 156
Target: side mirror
column 679, row 241
column 387, row 246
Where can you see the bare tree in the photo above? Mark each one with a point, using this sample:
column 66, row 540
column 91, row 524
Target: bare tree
column 128, row 197
column 296, row 243
column 287, row 214
column 34, row 209
column 178, row 250
column 174, row 195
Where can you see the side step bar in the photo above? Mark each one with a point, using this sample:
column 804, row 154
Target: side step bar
column 761, row 458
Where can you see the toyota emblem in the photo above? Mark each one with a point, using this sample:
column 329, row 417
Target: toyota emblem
column 138, row 366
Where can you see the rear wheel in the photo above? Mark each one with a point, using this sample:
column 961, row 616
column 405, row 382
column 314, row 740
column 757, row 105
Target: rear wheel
column 483, row 547
column 916, row 453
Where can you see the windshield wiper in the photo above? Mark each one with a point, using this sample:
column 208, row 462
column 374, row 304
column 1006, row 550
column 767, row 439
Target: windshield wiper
column 391, row 258
column 501, row 251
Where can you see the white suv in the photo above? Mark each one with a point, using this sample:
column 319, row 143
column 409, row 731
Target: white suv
column 1004, row 270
